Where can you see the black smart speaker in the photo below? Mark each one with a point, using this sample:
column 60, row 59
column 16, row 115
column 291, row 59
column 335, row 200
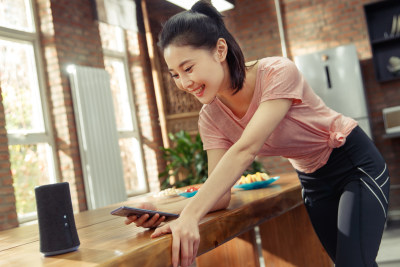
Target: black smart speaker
column 57, row 228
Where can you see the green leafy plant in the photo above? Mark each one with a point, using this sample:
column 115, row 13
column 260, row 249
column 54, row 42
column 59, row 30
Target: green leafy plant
column 187, row 161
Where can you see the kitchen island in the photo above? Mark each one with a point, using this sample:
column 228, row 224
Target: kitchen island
column 227, row 236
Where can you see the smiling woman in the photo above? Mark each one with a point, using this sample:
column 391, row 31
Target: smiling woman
column 198, row 71
column 269, row 109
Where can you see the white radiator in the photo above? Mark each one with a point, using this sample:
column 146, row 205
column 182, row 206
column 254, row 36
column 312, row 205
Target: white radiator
column 98, row 136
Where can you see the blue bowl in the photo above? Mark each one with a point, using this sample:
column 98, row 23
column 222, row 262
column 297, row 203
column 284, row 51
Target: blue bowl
column 188, row 194
column 256, row 185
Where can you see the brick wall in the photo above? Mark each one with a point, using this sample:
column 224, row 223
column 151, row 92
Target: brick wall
column 146, row 108
column 316, row 25
column 8, row 213
column 255, row 27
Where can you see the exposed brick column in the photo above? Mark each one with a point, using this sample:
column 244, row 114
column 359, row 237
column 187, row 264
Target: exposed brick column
column 146, row 107
column 254, row 24
column 69, row 35
column 8, row 212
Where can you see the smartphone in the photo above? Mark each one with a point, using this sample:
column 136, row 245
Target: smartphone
column 125, row 211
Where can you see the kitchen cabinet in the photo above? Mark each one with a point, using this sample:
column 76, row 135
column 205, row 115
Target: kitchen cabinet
column 383, row 23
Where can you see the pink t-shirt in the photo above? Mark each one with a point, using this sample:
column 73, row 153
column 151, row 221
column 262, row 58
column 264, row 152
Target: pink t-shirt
column 305, row 136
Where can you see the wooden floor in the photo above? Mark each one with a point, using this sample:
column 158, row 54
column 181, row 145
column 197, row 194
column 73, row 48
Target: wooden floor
column 388, row 255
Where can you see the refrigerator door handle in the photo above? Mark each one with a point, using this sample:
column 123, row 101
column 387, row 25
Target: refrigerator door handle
column 328, row 77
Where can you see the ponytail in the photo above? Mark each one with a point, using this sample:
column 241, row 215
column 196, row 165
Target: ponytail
column 201, row 27
column 209, row 10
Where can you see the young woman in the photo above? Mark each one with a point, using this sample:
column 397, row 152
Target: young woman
column 267, row 108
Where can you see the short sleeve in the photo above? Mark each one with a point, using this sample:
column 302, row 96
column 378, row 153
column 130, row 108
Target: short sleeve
column 282, row 79
column 211, row 136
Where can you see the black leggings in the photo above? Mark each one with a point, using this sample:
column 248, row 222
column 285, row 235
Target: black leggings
column 347, row 201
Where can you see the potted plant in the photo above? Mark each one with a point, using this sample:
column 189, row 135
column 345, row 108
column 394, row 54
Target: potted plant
column 187, row 162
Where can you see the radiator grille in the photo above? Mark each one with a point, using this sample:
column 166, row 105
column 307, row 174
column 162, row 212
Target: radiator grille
column 98, row 136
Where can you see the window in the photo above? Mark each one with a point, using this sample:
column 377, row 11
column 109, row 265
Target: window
column 115, row 62
column 17, row 14
column 31, row 145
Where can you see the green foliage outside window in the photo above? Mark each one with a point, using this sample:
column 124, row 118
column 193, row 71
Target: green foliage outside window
column 29, row 170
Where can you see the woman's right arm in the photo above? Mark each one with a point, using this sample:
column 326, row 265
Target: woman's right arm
column 213, row 157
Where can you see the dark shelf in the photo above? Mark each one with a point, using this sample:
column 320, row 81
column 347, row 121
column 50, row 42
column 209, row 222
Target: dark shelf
column 391, row 135
column 385, row 40
column 382, row 17
column 390, row 79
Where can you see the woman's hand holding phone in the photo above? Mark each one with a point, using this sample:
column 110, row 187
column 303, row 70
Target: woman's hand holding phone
column 145, row 220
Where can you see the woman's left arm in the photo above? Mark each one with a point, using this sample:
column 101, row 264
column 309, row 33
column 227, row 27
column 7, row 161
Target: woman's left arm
column 185, row 230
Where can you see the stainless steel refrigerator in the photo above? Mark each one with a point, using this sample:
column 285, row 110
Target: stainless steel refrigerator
column 335, row 76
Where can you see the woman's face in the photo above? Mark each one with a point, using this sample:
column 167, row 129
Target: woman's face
column 199, row 72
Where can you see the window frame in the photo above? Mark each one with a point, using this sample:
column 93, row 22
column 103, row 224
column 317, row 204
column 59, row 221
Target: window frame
column 47, row 136
column 124, row 134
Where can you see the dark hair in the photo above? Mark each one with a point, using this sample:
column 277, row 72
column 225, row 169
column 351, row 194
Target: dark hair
column 201, row 27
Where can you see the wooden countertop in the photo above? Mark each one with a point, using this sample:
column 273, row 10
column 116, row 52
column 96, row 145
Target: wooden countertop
column 107, row 241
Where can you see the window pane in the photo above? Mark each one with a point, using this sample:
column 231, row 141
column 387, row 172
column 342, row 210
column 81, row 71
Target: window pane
column 20, row 90
column 112, row 37
column 16, row 14
column 131, row 161
column 123, row 114
column 30, row 168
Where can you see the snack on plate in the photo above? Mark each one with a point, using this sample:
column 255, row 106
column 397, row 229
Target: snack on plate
column 192, row 189
column 169, row 192
column 251, row 178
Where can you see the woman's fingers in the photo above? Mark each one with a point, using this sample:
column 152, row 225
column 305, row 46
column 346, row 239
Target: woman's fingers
column 166, row 229
column 159, row 222
column 130, row 219
column 176, row 247
column 142, row 219
column 185, row 240
column 184, row 246
column 151, row 222
column 188, row 255
column 145, row 220
column 195, row 249
column 186, row 259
